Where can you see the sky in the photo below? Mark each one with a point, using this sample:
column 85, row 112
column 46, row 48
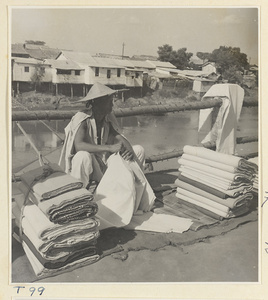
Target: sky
column 142, row 30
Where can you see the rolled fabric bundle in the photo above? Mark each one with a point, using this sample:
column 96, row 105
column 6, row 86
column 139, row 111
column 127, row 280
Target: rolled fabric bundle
column 229, row 202
column 49, row 181
column 230, row 160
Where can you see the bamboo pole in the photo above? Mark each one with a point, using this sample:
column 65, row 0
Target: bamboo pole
column 122, row 112
column 178, row 153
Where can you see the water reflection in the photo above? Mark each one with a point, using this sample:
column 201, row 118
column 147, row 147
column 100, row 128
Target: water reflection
column 157, row 134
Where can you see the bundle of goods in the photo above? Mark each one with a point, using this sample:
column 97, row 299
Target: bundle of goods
column 55, row 215
column 220, row 185
column 256, row 179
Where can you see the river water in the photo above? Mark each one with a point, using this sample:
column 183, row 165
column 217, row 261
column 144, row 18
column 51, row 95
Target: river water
column 157, row 134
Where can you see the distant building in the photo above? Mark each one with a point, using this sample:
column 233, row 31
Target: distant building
column 23, row 70
column 209, row 67
column 34, row 51
column 144, row 57
column 116, row 56
column 17, row 50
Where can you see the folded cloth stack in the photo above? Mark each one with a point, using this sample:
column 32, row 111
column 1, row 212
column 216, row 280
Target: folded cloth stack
column 59, row 230
column 255, row 160
column 216, row 183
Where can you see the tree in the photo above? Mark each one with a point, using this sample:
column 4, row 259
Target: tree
column 179, row 58
column 233, row 75
column 225, row 57
column 38, row 75
column 203, row 55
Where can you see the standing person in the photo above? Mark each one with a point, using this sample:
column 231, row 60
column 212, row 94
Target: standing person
column 95, row 150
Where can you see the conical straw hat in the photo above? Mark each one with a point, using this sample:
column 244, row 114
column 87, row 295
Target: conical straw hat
column 98, row 90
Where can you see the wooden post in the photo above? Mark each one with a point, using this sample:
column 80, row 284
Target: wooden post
column 84, row 90
column 18, row 87
column 72, row 91
column 56, row 85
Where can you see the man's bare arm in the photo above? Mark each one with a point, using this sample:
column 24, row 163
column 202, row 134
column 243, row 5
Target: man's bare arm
column 82, row 142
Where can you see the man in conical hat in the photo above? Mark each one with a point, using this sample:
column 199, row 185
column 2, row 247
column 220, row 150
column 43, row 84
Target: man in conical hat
column 93, row 135
column 95, row 150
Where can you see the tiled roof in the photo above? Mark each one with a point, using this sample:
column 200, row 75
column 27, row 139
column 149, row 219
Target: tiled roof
column 64, row 64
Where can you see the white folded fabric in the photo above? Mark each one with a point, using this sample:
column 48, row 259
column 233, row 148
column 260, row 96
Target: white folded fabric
column 229, row 202
column 46, row 248
column 46, row 187
column 122, row 191
column 202, row 199
column 234, row 192
column 203, row 205
column 211, row 179
column 211, row 163
column 227, row 159
column 159, row 223
column 47, row 230
column 61, row 201
column 213, row 171
column 41, row 271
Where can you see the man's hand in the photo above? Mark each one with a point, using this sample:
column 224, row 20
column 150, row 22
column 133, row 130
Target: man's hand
column 115, row 147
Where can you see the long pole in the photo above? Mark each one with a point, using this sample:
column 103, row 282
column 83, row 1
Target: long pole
column 123, row 46
column 122, row 112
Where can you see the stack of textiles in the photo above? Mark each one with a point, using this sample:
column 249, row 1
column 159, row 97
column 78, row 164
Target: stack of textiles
column 218, row 184
column 255, row 160
column 58, row 228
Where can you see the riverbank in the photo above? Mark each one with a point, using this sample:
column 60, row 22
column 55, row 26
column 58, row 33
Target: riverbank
column 45, row 101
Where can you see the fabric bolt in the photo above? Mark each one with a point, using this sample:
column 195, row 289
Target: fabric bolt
column 72, row 255
column 64, row 241
column 122, row 190
column 215, row 171
column 214, row 164
column 56, row 249
column 159, row 223
column 227, row 159
column 200, row 209
column 55, row 183
column 41, row 271
column 73, row 213
column 202, row 186
column 229, row 202
column 202, row 199
column 59, row 202
column 47, row 230
column 232, row 213
column 210, row 187
column 204, row 205
column 214, row 181
column 220, row 124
